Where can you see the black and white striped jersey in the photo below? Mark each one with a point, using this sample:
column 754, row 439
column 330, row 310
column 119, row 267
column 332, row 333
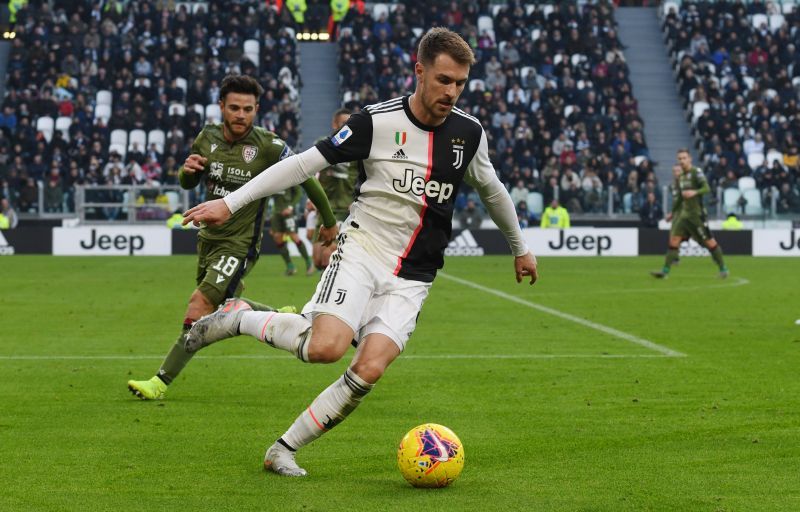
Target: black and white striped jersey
column 409, row 176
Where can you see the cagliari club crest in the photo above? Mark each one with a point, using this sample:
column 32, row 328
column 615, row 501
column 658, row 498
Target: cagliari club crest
column 249, row 153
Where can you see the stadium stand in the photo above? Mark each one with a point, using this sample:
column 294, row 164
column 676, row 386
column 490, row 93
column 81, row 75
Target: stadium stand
column 736, row 65
column 550, row 87
column 90, row 82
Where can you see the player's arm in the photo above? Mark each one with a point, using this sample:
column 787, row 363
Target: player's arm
column 482, row 177
column 317, row 196
column 352, row 142
column 191, row 171
column 702, row 186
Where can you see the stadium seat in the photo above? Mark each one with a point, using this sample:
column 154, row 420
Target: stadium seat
column 213, row 113
column 496, row 10
column 120, row 149
column 46, row 125
column 753, row 198
column 535, row 203
column 177, row 109
column 252, row 57
column 104, row 97
column 252, row 46
column 547, row 9
column 378, row 10
column 787, row 7
column 102, row 112
column 749, row 81
column 142, row 82
column 637, row 160
column 137, row 137
column 698, row 107
column 755, row 160
column 485, row 23
column 758, row 20
column 667, row 6
column 535, row 33
column 119, row 137
column 730, row 199
column 476, row 83
column 182, row 83
column 529, row 9
column 576, row 59
column 627, row 202
column 63, row 124
column 417, row 31
column 200, row 109
column 173, row 200
column 773, row 155
column 158, row 138
column 746, row 182
column 776, row 21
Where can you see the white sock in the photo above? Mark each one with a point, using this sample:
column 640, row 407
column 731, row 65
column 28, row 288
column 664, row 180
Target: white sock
column 329, row 409
column 286, row 331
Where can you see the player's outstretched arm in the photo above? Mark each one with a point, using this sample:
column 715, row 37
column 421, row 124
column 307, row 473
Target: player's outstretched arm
column 213, row 213
column 525, row 266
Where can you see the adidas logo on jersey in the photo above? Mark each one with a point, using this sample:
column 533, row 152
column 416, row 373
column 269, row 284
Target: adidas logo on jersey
column 464, row 245
column 400, row 155
column 5, row 249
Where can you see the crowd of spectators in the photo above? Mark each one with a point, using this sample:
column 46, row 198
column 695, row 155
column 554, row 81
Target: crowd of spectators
column 550, row 87
column 162, row 66
column 738, row 68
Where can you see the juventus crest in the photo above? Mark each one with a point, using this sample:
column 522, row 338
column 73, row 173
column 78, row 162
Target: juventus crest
column 458, row 150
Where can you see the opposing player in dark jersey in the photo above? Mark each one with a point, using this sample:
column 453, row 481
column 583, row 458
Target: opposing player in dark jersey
column 227, row 156
column 689, row 217
column 283, row 228
column 413, row 153
column 339, row 183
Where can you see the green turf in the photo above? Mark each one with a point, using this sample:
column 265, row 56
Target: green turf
column 554, row 415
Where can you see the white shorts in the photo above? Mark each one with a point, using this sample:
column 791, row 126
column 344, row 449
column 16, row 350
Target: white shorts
column 365, row 295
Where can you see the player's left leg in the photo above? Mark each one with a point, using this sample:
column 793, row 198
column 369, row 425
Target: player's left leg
column 374, row 355
column 670, row 258
column 716, row 254
column 301, row 247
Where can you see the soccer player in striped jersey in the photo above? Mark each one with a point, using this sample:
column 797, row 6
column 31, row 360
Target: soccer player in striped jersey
column 413, row 153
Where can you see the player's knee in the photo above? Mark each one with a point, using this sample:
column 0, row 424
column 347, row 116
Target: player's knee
column 326, row 349
column 199, row 305
column 368, row 369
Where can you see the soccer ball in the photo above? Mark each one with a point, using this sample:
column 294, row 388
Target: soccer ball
column 430, row 455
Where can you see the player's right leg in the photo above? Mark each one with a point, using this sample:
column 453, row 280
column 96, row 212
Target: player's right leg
column 375, row 353
column 671, row 256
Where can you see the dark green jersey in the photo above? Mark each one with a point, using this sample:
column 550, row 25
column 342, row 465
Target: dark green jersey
column 691, row 208
column 339, row 183
column 229, row 167
column 289, row 197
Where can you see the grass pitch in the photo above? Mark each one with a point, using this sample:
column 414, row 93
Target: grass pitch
column 597, row 389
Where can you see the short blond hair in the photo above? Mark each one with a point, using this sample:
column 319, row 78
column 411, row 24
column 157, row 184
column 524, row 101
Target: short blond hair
column 441, row 40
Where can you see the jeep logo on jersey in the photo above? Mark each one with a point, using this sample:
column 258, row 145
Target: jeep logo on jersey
column 418, row 186
column 249, row 153
column 458, row 149
column 342, row 135
column 400, row 138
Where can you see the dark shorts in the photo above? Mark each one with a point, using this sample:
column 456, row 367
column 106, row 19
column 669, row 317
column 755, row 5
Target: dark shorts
column 692, row 228
column 221, row 270
column 281, row 224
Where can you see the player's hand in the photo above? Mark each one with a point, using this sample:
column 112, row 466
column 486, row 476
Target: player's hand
column 668, row 217
column 213, row 213
column 525, row 265
column 688, row 194
column 328, row 235
column 194, row 163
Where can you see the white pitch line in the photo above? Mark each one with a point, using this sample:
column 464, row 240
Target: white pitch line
column 572, row 318
column 265, row 357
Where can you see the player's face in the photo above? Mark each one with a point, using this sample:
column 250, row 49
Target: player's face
column 440, row 85
column 685, row 161
column 238, row 112
column 339, row 121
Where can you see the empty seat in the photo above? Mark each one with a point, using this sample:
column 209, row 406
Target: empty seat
column 158, row 138
column 103, row 112
column 746, row 183
column 119, row 137
column 698, row 107
column 213, row 113
column 177, row 109
column 773, row 155
column 199, row 109
column 252, row 46
column 730, row 199
column 46, row 125
column 535, row 203
column 485, row 23
column 138, row 137
column 63, row 124
column 120, row 149
column 378, row 10
column 182, row 83
column 477, row 83
column 753, row 198
column 755, row 160
column 103, row 98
